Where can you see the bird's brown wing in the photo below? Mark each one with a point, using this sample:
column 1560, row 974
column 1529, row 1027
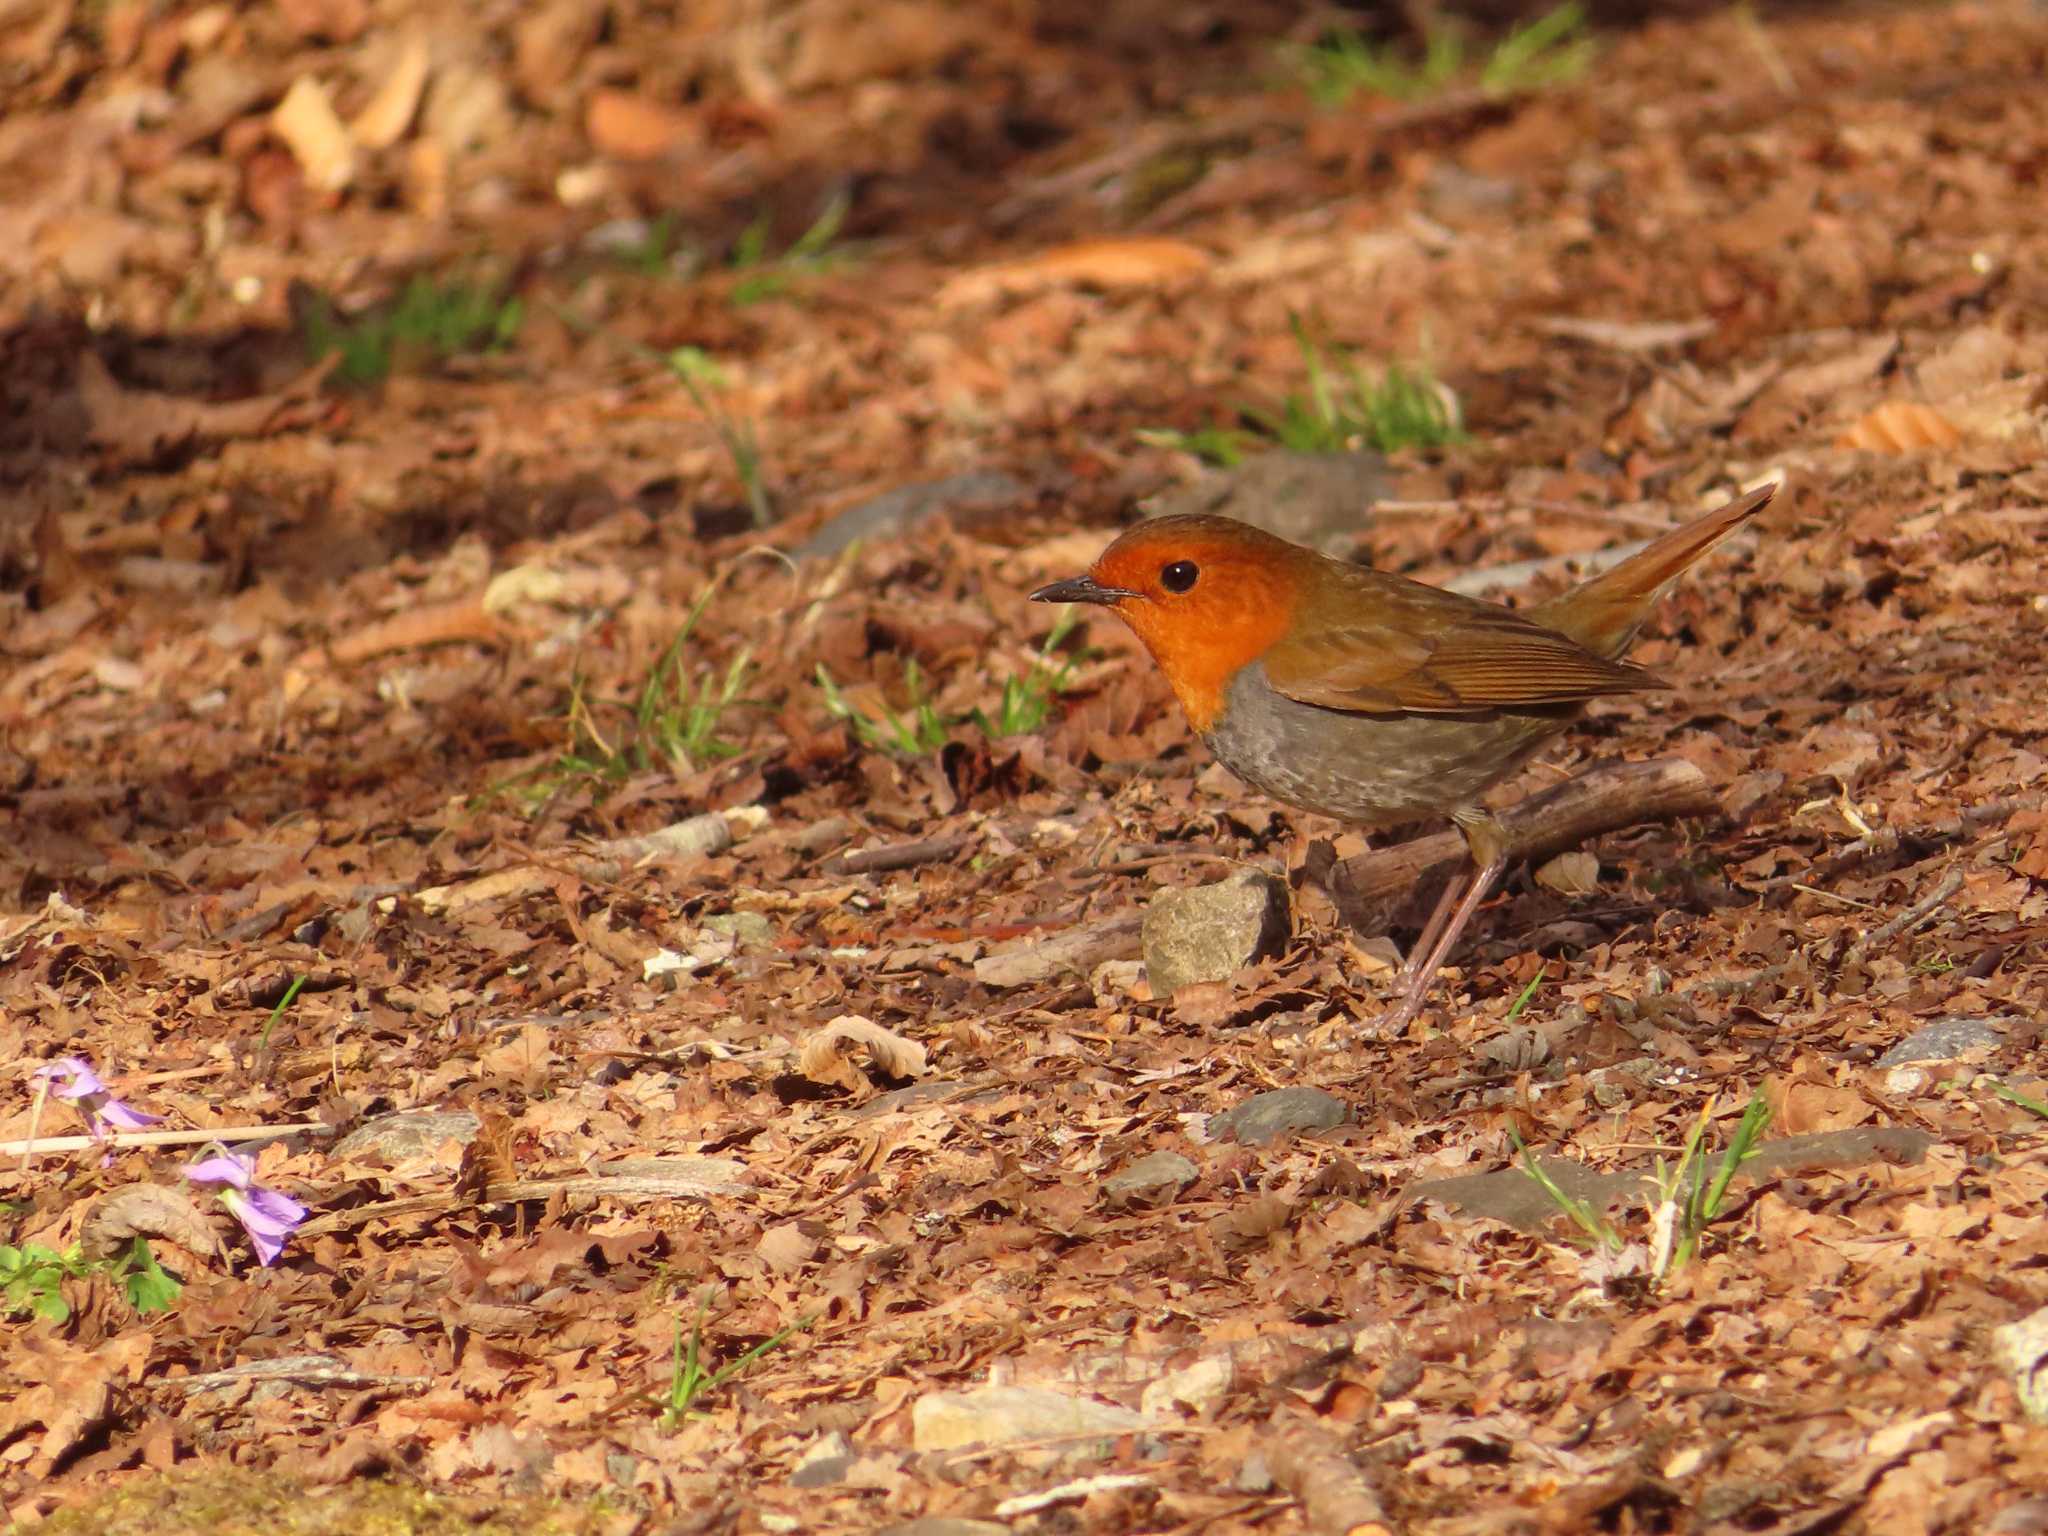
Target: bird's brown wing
column 1440, row 653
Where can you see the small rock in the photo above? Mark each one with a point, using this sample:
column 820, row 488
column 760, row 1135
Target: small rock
column 897, row 511
column 1279, row 1112
column 1198, row 1388
column 1520, row 1049
column 1213, row 931
column 678, row 1175
column 398, row 1138
column 749, row 931
column 1510, row 1195
column 2029, row 1517
column 1945, row 1040
column 2020, row 1349
column 1156, row 1171
column 1452, row 189
column 825, row 1461
column 946, row 1421
column 1318, row 499
column 1254, row 1476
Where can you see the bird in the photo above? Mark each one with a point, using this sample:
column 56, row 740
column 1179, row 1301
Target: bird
column 1365, row 696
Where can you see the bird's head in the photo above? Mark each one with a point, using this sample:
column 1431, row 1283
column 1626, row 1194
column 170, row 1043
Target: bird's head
column 1207, row 596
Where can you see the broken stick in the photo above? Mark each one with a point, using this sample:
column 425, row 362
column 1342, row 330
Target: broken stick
column 1336, row 1499
column 1605, row 798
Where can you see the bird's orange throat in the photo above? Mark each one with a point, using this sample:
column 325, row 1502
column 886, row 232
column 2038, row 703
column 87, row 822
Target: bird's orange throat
column 1202, row 645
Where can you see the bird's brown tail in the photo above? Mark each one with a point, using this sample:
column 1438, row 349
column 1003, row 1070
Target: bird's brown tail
column 1603, row 614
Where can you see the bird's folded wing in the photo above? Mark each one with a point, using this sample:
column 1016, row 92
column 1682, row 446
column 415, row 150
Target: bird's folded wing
column 1476, row 661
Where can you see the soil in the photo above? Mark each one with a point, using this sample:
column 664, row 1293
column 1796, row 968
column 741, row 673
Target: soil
column 331, row 762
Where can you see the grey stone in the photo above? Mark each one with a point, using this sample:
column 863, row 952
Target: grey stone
column 897, row 511
column 750, row 930
column 413, row 1133
column 1453, row 189
column 1157, row 1170
column 1211, row 932
column 1254, row 1476
column 947, row 1421
column 680, row 1175
column 1511, row 1196
column 825, row 1461
column 1278, row 1112
column 1945, row 1040
column 1318, row 499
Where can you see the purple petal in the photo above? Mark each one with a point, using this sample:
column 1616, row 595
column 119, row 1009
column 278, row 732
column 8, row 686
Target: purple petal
column 268, row 1216
column 275, row 1208
column 79, row 1078
column 221, row 1168
column 121, row 1116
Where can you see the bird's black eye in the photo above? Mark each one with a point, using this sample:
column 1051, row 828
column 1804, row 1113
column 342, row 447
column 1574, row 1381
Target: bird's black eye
column 1179, row 576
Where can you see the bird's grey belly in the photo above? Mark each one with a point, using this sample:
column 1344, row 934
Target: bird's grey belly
column 1370, row 769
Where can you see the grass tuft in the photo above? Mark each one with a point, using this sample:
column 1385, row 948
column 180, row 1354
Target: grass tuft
column 1345, row 408
column 1023, row 706
column 675, row 722
column 427, row 322
column 1688, row 1200
column 1550, row 51
column 691, row 1378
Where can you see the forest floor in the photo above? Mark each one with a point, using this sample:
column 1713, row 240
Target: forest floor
column 323, row 761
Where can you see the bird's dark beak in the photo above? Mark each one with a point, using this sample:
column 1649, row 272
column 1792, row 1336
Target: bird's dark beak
column 1081, row 589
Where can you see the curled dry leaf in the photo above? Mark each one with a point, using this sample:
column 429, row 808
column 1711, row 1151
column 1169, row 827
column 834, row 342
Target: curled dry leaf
column 1900, row 426
column 67, row 1392
column 826, row 1055
column 1570, row 874
column 388, row 113
column 462, row 618
column 630, row 127
column 316, row 136
column 147, row 1210
column 1153, row 263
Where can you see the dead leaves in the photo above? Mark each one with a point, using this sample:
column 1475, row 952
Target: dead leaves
column 1900, row 426
column 59, row 1394
column 833, row 1054
column 140, row 426
column 1101, row 264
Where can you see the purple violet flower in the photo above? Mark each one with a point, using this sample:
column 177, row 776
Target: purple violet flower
column 269, row 1216
column 73, row 1078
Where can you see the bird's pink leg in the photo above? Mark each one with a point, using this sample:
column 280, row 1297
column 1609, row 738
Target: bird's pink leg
column 1488, row 842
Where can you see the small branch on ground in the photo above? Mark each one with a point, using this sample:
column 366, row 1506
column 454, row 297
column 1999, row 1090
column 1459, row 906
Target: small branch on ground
column 1604, row 798
column 871, row 861
column 1310, row 1463
column 1950, row 829
column 1911, row 918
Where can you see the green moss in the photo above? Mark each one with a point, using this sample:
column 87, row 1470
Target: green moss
column 233, row 1503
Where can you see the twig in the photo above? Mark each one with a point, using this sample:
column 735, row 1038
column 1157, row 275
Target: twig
column 868, row 861
column 1728, row 986
column 305, row 1371
column 1911, row 918
column 1604, row 798
column 1336, row 1498
column 619, row 1186
column 35, row 1123
column 1888, row 839
column 225, row 1134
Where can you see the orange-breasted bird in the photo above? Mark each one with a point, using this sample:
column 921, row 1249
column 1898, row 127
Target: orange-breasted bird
column 1372, row 698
